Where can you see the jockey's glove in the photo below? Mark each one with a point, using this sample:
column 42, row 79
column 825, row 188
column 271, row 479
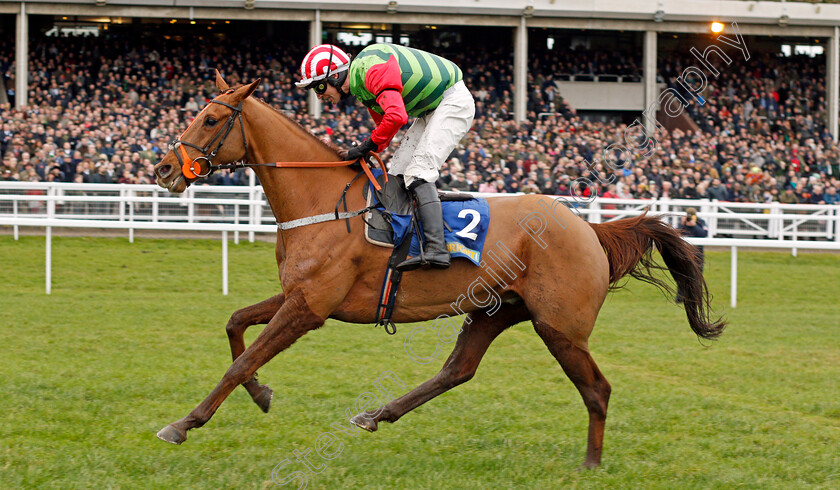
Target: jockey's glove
column 359, row 151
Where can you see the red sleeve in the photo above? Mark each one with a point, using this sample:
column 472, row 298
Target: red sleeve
column 377, row 117
column 385, row 81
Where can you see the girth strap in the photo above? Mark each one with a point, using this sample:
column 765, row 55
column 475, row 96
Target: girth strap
column 321, row 218
column 391, row 285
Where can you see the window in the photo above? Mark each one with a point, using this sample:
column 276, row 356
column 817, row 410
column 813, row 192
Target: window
column 802, row 50
column 355, row 38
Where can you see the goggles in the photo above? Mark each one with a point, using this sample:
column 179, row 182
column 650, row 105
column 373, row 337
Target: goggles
column 319, row 87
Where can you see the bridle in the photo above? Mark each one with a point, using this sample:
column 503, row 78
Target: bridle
column 188, row 167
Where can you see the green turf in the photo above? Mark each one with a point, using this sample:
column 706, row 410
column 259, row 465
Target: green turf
column 132, row 338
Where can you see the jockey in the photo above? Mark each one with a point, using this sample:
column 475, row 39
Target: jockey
column 395, row 82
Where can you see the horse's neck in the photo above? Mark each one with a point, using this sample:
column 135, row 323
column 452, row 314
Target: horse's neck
column 292, row 192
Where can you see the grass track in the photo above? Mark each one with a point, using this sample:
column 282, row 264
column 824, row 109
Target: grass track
column 132, row 338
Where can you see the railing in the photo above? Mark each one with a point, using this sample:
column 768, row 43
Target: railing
column 135, row 203
column 247, row 205
column 773, row 221
column 220, row 209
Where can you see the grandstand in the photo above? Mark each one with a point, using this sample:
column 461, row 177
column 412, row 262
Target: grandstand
column 94, row 90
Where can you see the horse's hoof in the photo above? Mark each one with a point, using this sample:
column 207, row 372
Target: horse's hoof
column 587, row 466
column 369, row 425
column 264, row 397
column 172, row 435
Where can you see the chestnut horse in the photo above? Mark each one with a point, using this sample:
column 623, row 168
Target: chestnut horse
column 565, row 267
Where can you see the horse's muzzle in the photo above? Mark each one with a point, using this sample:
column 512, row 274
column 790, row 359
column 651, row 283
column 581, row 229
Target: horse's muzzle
column 164, row 170
column 169, row 176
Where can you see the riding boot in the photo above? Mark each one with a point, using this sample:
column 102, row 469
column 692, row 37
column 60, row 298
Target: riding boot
column 431, row 219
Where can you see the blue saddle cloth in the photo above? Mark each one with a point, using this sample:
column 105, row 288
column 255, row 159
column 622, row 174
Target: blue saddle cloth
column 468, row 220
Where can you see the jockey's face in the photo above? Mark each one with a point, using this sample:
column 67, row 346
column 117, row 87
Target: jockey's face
column 331, row 94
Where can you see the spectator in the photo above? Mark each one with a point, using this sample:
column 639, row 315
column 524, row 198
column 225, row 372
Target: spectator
column 693, row 226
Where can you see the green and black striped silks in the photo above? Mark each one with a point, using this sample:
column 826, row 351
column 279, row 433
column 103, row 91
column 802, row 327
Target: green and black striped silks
column 425, row 77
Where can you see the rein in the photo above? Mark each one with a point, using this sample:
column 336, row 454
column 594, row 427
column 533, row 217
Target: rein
column 342, row 163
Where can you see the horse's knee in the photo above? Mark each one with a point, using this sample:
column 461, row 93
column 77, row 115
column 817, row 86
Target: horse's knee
column 606, row 389
column 597, row 399
column 236, row 325
column 455, row 377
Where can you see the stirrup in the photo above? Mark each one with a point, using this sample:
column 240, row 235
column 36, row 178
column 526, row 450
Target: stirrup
column 433, row 260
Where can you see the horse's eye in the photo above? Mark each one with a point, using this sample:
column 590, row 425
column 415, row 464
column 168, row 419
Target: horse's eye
column 210, row 122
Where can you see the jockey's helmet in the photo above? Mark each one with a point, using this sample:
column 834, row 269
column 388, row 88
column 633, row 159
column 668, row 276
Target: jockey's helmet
column 321, row 62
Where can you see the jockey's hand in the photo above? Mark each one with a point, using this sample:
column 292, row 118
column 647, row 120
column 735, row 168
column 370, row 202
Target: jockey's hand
column 357, row 152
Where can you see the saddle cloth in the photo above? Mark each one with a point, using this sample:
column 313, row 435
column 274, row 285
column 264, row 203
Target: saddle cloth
column 466, row 219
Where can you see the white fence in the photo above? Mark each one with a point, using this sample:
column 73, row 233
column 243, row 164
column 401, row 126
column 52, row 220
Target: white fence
column 247, row 205
column 245, row 210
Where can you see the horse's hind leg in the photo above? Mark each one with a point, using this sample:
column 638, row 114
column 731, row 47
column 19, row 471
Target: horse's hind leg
column 256, row 314
column 473, row 341
column 593, row 387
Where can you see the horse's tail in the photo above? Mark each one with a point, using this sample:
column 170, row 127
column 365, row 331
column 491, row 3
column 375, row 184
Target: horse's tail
column 629, row 245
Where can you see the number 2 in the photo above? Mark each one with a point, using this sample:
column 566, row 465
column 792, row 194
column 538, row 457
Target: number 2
column 476, row 217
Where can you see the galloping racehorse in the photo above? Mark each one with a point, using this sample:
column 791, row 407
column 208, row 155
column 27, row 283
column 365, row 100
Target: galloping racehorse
column 563, row 268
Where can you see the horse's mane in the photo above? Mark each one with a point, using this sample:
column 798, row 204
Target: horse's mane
column 296, row 124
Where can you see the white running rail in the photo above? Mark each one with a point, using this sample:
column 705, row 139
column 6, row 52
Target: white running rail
column 243, row 209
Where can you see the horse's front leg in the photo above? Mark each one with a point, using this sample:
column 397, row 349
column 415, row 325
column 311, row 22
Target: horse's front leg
column 259, row 313
column 292, row 320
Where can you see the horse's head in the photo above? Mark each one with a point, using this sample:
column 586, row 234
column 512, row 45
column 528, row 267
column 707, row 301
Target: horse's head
column 216, row 136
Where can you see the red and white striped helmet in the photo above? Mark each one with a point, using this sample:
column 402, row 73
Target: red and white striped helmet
column 321, row 61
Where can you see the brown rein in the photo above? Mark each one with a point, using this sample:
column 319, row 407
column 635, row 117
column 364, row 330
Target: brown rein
column 341, row 163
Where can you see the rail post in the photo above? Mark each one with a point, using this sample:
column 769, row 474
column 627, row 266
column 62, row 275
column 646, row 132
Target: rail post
column 733, row 279
column 837, row 223
column 48, row 245
column 252, row 196
column 705, row 209
column 224, row 262
column 121, row 202
column 190, row 194
column 713, row 220
column 17, row 230
column 776, row 224
column 258, row 210
column 236, row 222
column 595, row 212
column 130, row 195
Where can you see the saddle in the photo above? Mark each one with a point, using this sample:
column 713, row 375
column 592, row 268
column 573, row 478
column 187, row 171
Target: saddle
column 395, row 199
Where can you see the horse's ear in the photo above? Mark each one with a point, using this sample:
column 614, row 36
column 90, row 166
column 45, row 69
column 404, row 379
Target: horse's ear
column 250, row 88
column 221, row 84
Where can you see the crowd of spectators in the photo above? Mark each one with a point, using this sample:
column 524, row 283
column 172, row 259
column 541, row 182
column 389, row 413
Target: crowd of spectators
column 105, row 112
column 766, row 93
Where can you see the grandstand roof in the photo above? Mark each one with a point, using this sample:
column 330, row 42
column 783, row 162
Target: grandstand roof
column 406, row 11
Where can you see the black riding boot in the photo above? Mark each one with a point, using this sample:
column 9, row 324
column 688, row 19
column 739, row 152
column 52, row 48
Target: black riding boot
column 431, row 219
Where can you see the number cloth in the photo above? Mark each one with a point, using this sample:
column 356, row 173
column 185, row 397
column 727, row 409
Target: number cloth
column 469, row 221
